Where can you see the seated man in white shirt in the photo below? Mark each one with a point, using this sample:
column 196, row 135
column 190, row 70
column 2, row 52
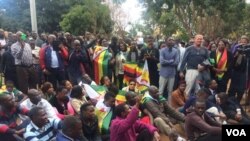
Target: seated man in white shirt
column 35, row 99
column 41, row 128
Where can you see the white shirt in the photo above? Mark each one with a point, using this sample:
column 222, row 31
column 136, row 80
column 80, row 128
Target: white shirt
column 54, row 59
column 44, row 104
column 182, row 52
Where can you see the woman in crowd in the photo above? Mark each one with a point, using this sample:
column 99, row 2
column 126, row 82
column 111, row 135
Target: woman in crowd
column 221, row 59
column 131, row 87
column 48, row 90
column 77, row 98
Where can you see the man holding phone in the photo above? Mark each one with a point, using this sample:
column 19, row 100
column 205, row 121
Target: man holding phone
column 22, row 52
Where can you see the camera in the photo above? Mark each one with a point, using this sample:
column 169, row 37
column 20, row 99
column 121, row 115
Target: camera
column 244, row 49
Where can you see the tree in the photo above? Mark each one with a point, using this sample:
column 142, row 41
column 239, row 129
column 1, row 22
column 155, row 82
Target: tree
column 90, row 16
column 49, row 14
column 209, row 17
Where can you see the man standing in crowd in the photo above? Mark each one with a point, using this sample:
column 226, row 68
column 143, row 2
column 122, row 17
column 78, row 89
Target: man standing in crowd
column 151, row 55
column 26, row 74
column 52, row 58
column 193, row 58
column 169, row 59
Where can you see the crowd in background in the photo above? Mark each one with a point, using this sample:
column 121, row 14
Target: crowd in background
column 197, row 86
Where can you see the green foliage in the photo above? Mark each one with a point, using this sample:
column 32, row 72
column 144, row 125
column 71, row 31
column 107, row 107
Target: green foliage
column 91, row 16
column 85, row 15
column 208, row 17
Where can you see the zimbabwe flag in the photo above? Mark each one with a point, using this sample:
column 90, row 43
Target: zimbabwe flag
column 101, row 59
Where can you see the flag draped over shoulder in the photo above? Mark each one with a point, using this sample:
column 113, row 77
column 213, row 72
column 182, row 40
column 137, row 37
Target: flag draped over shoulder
column 139, row 73
column 100, row 60
column 104, row 117
column 221, row 59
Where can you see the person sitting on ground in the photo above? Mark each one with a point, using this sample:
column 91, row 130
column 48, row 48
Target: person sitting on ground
column 35, row 99
column 212, row 86
column 125, row 126
column 48, row 90
column 105, row 81
column 90, row 122
column 145, row 116
column 131, row 87
column 200, row 130
column 68, row 85
column 104, row 110
column 15, row 93
column 11, row 126
column 60, row 101
column 179, row 97
column 41, row 128
column 87, row 80
column 77, row 98
column 216, row 112
column 71, row 130
column 203, row 93
column 161, row 111
column 233, row 110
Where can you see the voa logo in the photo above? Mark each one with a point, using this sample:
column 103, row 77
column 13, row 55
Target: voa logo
column 236, row 132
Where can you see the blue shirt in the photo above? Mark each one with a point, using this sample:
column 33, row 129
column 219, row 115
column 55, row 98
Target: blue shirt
column 34, row 133
column 168, row 61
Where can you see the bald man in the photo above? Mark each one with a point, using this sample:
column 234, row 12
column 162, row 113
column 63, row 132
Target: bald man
column 192, row 60
column 52, row 58
column 35, row 99
column 153, row 103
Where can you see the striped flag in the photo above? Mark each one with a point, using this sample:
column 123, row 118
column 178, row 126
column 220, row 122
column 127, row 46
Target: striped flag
column 129, row 72
column 139, row 73
column 143, row 77
column 120, row 97
column 94, row 91
column 100, row 60
column 104, row 115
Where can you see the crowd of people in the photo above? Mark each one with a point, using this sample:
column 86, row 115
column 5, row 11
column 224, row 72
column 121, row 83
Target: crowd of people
column 196, row 86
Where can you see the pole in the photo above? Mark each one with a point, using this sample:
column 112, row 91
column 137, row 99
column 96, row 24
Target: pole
column 33, row 15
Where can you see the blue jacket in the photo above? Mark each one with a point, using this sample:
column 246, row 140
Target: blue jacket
column 48, row 58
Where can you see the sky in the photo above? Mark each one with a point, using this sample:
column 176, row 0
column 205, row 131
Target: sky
column 133, row 9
